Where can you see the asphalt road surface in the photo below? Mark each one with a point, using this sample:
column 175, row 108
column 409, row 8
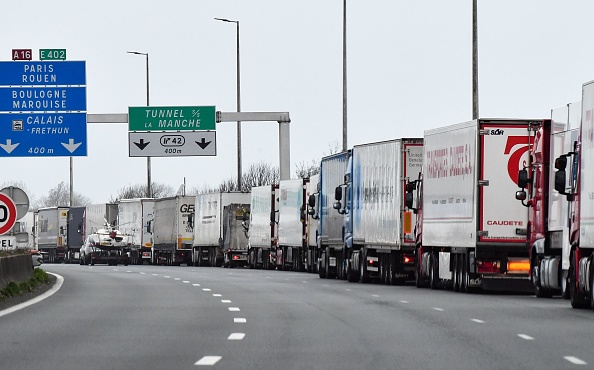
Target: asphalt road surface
column 156, row 317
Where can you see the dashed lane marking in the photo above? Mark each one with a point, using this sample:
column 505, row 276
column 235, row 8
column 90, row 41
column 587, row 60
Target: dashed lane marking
column 477, row 320
column 208, row 360
column 166, row 277
column 239, row 320
column 206, row 289
column 438, row 309
column 195, row 284
column 404, row 302
column 176, row 279
column 236, row 336
column 375, row 295
column 217, row 295
column 234, row 309
column 575, row 360
column 525, row 336
column 186, row 282
column 142, row 273
column 128, row 271
column 225, row 301
column 155, row 274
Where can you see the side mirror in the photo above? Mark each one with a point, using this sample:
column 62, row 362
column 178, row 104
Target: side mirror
column 410, row 187
column 523, row 180
column 311, row 201
column 409, row 199
column 148, row 226
column 560, row 180
column 521, row 195
column 338, row 194
column 561, row 163
column 337, row 205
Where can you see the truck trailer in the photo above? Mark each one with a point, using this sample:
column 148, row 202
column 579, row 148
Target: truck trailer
column 173, row 230
column 76, row 233
column 292, row 227
column 220, row 228
column 262, row 234
column 470, row 232
column 134, row 217
column 378, row 237
column 51, row 225
column 311, row 225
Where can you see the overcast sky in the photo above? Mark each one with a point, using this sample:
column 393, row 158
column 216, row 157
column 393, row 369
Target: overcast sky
column 409, row 69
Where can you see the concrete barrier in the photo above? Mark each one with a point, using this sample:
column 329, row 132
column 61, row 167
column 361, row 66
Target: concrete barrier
column 15, row 268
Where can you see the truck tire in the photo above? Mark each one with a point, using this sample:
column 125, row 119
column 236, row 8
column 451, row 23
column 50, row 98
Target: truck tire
column 363, row 276
column 433, row 272
column 535, row 272
column 322, row 270
column 577, row 298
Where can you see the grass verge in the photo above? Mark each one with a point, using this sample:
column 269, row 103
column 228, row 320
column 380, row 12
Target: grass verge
column 13, row 289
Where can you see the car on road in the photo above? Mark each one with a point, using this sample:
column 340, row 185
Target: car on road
column 37, row 258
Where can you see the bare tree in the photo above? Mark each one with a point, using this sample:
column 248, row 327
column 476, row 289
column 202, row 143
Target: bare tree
column 304, row 170
column 140, row 191
column 258, row 174
column 59, row 196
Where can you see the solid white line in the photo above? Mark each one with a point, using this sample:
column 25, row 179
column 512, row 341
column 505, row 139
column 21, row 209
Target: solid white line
column 55, row 288
column 225, row 301
column 195, row 284
column 404, row 302
column 438, row 309
column 236, row 336
column 234, row 309
column 575, row 360
column 186, row 282
column 206, row 289
column 217, row 295
column 239, row 320
column 524, row 336
column 477, row 320
column 208, row 360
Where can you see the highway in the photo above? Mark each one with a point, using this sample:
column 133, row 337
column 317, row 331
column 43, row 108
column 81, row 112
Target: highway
column 157, row 317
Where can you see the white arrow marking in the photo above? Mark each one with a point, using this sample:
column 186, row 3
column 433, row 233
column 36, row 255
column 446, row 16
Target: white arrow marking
column 9, row 146
column 71, row 146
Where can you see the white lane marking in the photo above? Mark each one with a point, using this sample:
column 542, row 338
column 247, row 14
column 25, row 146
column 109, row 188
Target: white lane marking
column 195, row 284
column 208, row 360
column 155, row 274
column 206, row 289
column 239, row 320
column 116, row 270
column 186, row 282
column 438, row 309
column 525, row 336
column 55, row 288
column 268, row 277
column 304, row 282
column 375, row 295
column 142, row 273
column 404, row 302
column 234, row 309
column 477, row 320
column 236, row 336
column 225, row 301
column 348, row 289
column 217, row 295
column 166, row 276
column 128, row 271
column 575, row 360
column 177, row 279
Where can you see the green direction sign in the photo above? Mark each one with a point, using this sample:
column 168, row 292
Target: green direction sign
column 52, row 54
column 171, row 118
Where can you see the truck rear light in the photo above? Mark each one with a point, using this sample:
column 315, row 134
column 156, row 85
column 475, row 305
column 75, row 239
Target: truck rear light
column 235, row 257
column 488, row 267
column 518, row 266
column 408, row 259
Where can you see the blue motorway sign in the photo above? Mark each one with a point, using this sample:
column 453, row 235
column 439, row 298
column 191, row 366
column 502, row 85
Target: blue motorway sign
column 46, row 73
column 43, row 134
column 42, row 99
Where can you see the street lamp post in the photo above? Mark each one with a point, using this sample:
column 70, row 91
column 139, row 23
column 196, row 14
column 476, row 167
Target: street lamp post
column 344, row 78
column 148, row 159
column 239, row 182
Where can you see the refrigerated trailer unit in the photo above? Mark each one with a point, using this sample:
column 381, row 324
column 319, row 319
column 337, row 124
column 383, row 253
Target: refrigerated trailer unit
column 219, row 229
column 470, row 232
column 292, row 227
column 172, row 230
column 134, row 217
column 262, row 234
column 379, row 241
column 51, row 225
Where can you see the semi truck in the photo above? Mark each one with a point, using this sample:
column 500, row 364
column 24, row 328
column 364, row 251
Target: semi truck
column 51, row 225
column 330, row 223
column 100, row 216
column 574, row 180
column 172, row 230
column 470, row 233
column 548, row 236
column 378, row 236
column 262, row 234
column 220, row 228
column 292, row 227
column 76, row 233
column 134, row 217
column 311, row 225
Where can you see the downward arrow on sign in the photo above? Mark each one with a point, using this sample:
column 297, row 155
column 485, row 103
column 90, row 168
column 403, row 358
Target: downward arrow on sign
column 203, row 143
column 9, row 146
column 142, row 144
column 71, row 145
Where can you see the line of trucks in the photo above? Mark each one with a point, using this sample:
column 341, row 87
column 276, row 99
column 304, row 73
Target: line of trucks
column 438, row 210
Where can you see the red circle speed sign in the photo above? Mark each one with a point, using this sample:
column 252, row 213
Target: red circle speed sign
column 8, row 213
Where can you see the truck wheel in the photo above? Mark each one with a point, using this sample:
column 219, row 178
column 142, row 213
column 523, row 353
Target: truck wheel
column 419, row 279
column 455, row 269
column 433, row 272
column 363, row 276
column 322, row 270
column 577, row 298
column 535, row 272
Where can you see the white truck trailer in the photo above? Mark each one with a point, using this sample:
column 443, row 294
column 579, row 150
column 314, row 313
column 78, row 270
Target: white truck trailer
column 173, row 230
column 134, row 217
column 470, row 232
column 51, row 225
column 378, row 234
column 292, row 239
column 219, row 234
column 100, row 216
column 262, row 234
